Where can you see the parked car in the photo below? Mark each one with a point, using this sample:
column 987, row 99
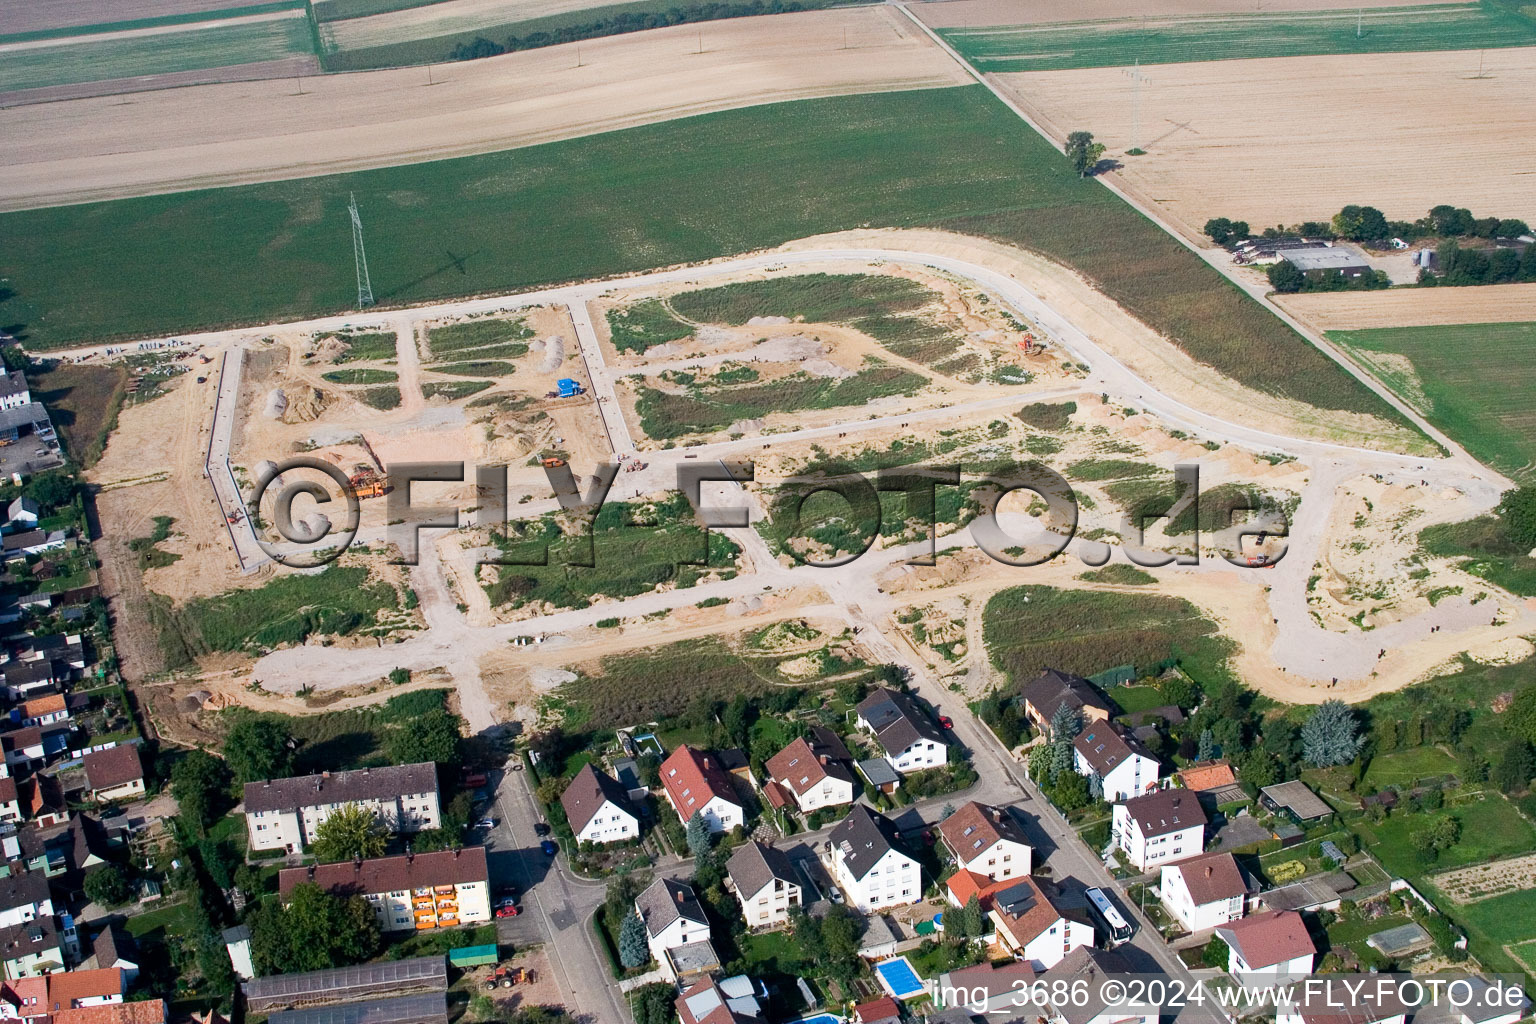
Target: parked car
column 835, row 894
column 541, row 829
column 510, row 910
column 549, row 847
column 486, row 823
column 946, row 721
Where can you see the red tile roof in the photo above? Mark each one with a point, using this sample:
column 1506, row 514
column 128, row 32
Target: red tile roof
column 1208, row 776
column 877, row 1010
column 1270, row 938
column 64, row 990
column 149, row 1011
column 975, row 828
column 692, row 778
column 392, row 874
column 965, row 884
column 51, row 704
column 800, row 768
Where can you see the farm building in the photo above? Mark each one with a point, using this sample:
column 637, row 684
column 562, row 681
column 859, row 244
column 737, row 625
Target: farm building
column 1296, row 800
column 1327, row 257
column 427, row 974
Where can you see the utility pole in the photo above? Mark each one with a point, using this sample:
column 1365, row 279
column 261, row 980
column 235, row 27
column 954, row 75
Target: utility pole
column 1359, row 22
column 364, row 286
column 1136, row 77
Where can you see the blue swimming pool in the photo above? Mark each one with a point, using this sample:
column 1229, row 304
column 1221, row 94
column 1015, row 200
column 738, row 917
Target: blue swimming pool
column 899, row 979
column 820, row 1018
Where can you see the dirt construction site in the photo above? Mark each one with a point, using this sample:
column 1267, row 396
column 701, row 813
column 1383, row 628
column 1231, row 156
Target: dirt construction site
column 479, row 381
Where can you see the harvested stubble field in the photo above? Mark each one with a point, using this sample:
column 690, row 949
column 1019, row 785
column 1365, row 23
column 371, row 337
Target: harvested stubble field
column 976, row 13
column 1220, row 144
column 1470, row 380
column 135, row 52
column 201, row 136
column 56, row 17
column 952, row 158
column 1413, row 307
column 1175, row 39
column 427, row 33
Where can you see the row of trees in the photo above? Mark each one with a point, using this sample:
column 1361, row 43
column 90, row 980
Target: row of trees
column 1369, row 225
column 1287, row 278
column 1469, row 266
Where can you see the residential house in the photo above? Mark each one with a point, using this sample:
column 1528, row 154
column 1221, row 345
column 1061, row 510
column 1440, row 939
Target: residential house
column 23, row 747
column 237, row 943
column 1159, row 828
column 988, row 988
column 764, row 882
column 1295, row 799
column 884, row 1010
column 14, row 391
column 597, row 808
column 877, row 771
column 23, row 513
column 25, row 678
column 1268, row 948
column 905, row 731
column 869, row 864
column 1331, row 1002
column 673, row 918
column 1123, row 765
column 42, row 800
column 283, row 814
column 987, row 840
column 694, row 782
column 10, row 802
column 1076, row 995
column 115, row 773
column 43, row 710
column 32, row 542
column 1205, row 891
column 1207, row 776
column 146, row 1011
column 410, row 891
column 114, row 947
column 1040, row 923
column 30, row 943
column 815, row 774
column 1051, row 690
column 1489, row 1004
column 731, row 1001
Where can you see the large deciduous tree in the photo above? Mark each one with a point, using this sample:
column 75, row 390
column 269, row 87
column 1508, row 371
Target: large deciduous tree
column 257, row 748
column 200, row 784
column 1083, row 152
column 351, row 831
column 314, row 931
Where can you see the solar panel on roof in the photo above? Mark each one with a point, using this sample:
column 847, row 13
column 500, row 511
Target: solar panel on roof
column 414, row 1009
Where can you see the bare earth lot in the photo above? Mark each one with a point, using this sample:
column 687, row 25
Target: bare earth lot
column 1291, row 139
column 441, row 19
column 204, row 136
column 973, row 13
column 1413, row 307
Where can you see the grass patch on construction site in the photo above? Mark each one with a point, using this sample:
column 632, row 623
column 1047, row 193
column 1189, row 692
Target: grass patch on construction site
column 372, row 345
column 814, row 298
column 1470, row 380
column 665, row 415
column 384, row 398
column 1052, row 416
column 1241, row 36
column 288, row 610
column 360, row 375
column 454, row 390
column 1484, row 549
column 1119, row 574
column 632, row 548
column 648, row 322
column 83, row 402
column 452, row 339
column 1087, row 631
column 1109, row 469
column 1146, row 498
column 686, row 190
column 476, row 368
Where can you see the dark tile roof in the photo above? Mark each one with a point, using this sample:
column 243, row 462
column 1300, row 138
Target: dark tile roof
column 975, row 827
column 1211, row 877
column 1090, row 966
column 1165, row 811
column 801, row 767
column 897, row 720
column 114, row 946
column 23, row 888
column 391, row 874
column 1269, row 938
column 664, row 901
column 1048, row 691
column 1106, row 748
column 754, row 865
column 863, row 838
column 586, row 794
column 340, row 787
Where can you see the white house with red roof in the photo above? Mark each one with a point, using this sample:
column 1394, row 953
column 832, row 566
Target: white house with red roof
column 1268, row 948
column 1159, row 828
column 1037, row 923
column 1125, row 767
column 695, row 782
column 816, row 774
column 987, row 840
column 1205, row 891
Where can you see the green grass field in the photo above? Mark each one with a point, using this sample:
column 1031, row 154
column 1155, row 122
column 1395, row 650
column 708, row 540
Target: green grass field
column 1470, row 380
column 360, row 375
column 66, row 62
column 1175, row 40
column 1490, row 828
column 1083, row 631
column 952, row 158
column 370, row 345
column 1405, row 767
column 664, row 415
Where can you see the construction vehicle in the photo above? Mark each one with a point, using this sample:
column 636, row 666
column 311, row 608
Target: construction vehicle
column 565, row 387
column 234, row 517
column 365, row 482
column 551, row 462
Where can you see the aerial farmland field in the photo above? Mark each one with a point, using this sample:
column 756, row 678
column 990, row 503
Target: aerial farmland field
column 1471, row 380
column 1240, row 36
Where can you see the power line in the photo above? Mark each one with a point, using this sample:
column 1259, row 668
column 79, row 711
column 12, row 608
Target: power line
column 364, row 286
column 1136, row 77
